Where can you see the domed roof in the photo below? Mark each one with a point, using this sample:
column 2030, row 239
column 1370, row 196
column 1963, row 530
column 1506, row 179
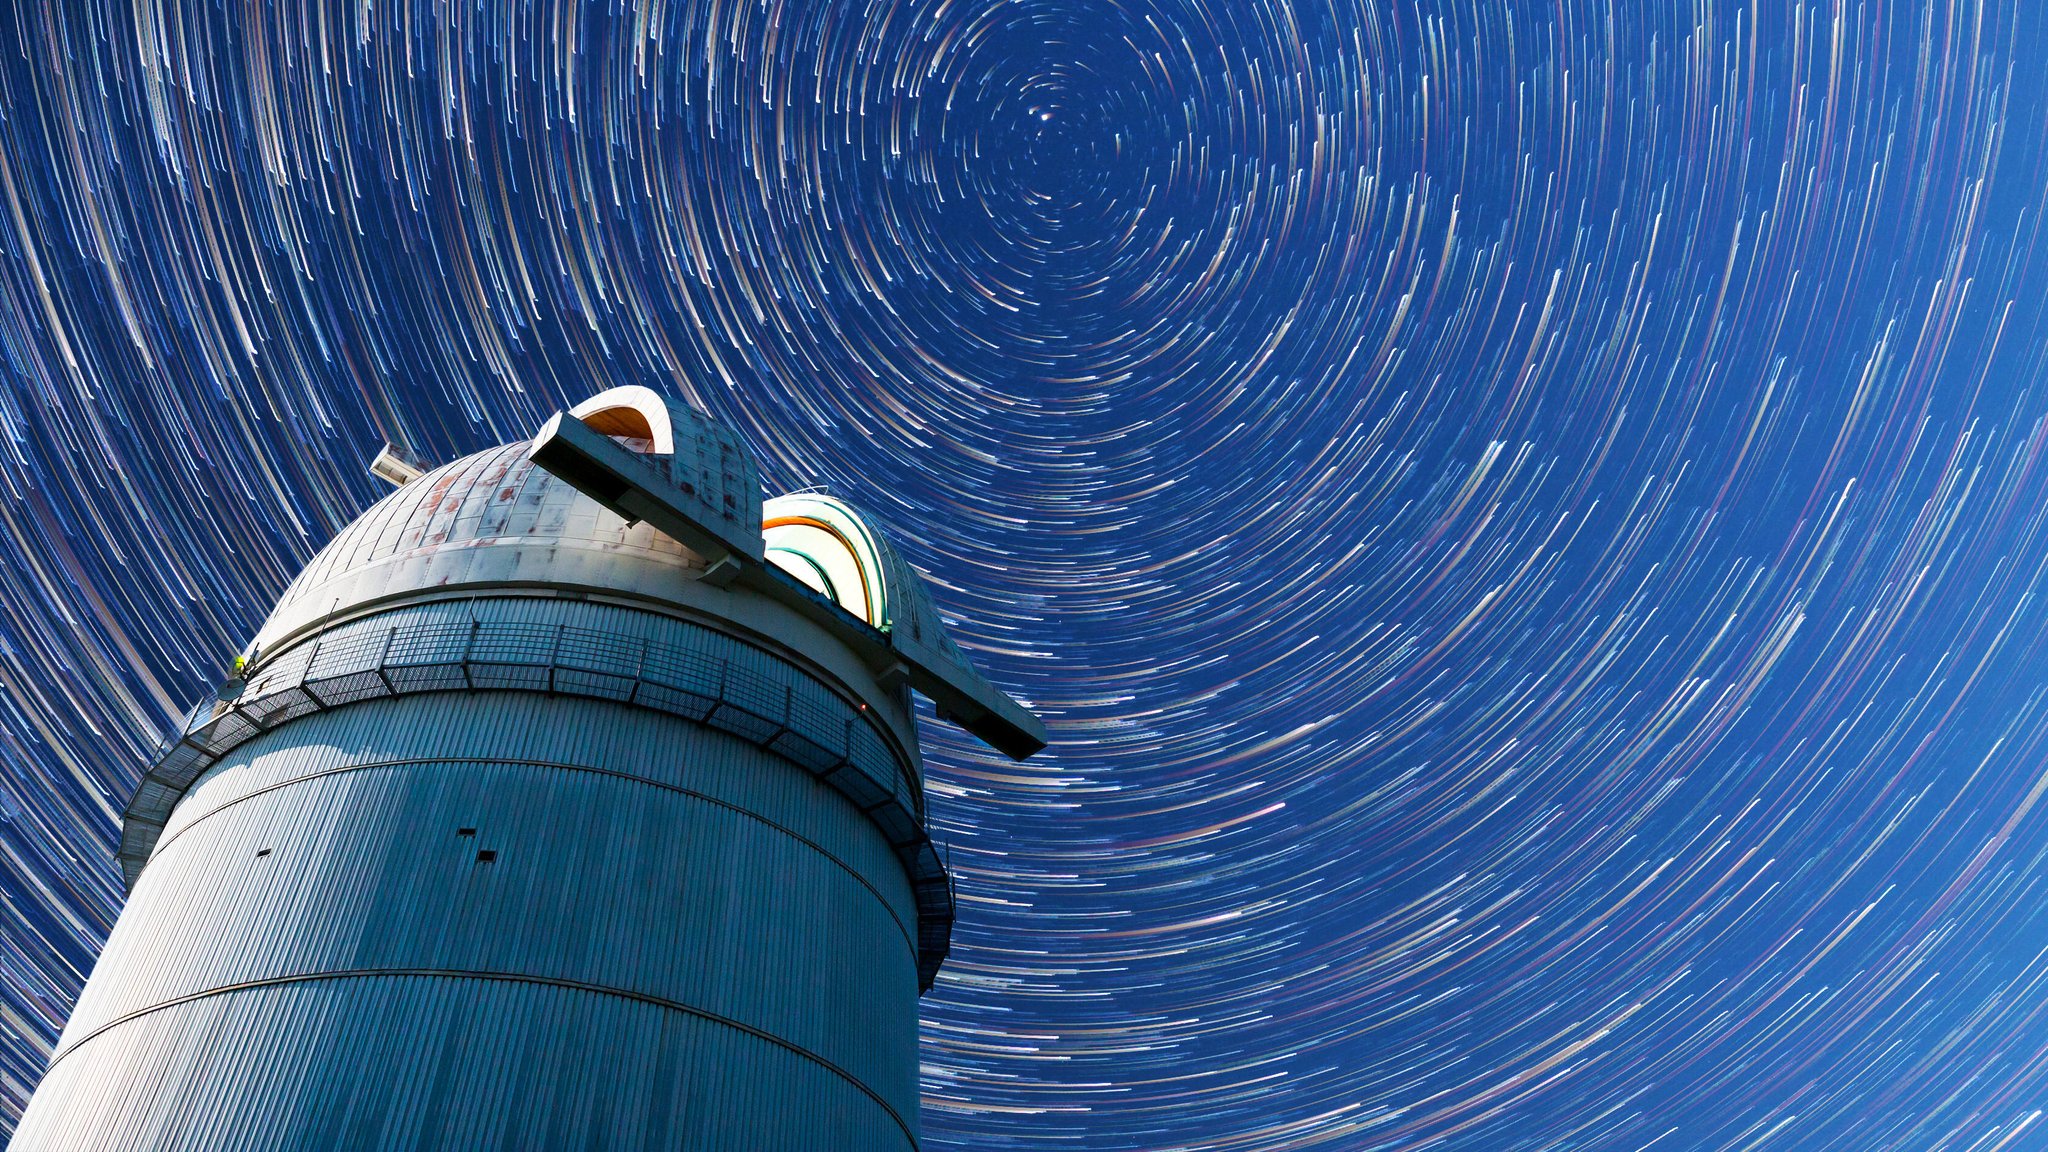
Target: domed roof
column 629, row 495
column 496, row 518
column 494, row 498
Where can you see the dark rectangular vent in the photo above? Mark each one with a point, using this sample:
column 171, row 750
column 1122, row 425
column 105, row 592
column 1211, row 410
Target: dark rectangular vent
column 486, row 856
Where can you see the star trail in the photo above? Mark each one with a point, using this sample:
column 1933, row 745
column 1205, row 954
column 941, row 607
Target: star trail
column 1526, row 521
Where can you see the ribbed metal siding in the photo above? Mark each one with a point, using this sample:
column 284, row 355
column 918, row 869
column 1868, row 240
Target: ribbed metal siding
column 636, row 853
column 503, row 726
column 408, row 1064
column 700, row 903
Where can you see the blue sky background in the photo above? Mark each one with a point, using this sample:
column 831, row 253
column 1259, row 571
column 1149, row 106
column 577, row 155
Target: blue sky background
column 1527, row 521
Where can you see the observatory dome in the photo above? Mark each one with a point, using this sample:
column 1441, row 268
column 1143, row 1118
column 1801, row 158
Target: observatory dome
column 496, row 519
column 560, row 778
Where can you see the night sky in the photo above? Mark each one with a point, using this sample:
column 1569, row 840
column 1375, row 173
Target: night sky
column 1526, row 521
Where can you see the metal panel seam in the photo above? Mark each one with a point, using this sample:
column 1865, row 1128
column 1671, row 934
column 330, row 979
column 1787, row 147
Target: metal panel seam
column 502, row 977
column 712, row 800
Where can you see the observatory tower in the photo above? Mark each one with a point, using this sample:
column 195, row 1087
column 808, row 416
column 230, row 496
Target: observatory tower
column 569, row 799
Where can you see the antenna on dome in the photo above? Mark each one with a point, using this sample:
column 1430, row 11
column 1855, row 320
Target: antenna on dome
column 398, row 465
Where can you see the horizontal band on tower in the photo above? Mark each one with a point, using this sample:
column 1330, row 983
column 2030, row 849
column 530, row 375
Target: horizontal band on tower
column 499, row 977
column 739, row 810
column 411, row 649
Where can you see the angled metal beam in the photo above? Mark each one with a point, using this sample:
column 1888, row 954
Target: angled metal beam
column 627, row 483
column 624, row 482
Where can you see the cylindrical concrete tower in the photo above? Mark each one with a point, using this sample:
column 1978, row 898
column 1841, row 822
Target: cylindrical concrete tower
column 565, row 801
